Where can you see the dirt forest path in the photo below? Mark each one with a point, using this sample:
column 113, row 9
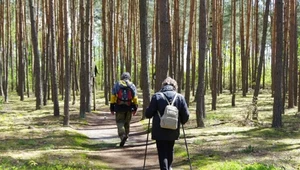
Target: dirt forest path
column 102, row 127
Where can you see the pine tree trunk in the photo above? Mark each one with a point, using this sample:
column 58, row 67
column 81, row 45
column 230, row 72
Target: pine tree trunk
column 83, row 78
column 53, row 60
column 21, row 70
column 277, row 105
column 37, row 67
column 67, row 66
column 214, row 57
column 144, row 54
column 200, row 106
column 162, row 71
column 261, row 59
column 188, row 56
column 234, row 55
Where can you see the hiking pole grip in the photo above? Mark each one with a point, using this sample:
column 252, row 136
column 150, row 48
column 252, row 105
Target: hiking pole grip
column 187, row 150
column 146, row 145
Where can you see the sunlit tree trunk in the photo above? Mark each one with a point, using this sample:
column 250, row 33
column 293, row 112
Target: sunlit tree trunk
column 231, row 50
column 7, row 52
column 21, row 69
column 60, row 48
column 53, row 59
column 188, row 56
column 242, row 43
column 162, row 70
column 106, row 69
column 247, row 52
column 37, row 67
column 194, row 51
column 27, row 53
column 88, row 57
column 128, row 39
column 144, row 54
column 285, row 52
column 110, row 54
column 214, row 56
column 277, row 105
column 219, row 44
column 261, row 60
column 67, row 67
column 291, row 55
column 152, row 76
column 234, row 55
column 180, row 57
column 200, row 99
column 157, row 45
column 83, row 78
column 293, row 51
column 176, row 43
column 255, row 44
column 73, row 50
column 1, row 45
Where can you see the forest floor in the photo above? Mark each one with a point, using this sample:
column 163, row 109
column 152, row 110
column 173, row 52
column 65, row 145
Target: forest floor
column 35, row 139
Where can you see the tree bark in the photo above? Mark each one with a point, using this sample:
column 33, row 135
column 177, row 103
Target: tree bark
column 67, row 67
column 21, row 69
column 53, row 59
column 277, row 105
column 188, row 55
column 163, row 60
column 261, row 60
column 83, row 78
column 214, row 57
column 200, row 106
column 144, row 55
column 37, row 67
column 234, row 55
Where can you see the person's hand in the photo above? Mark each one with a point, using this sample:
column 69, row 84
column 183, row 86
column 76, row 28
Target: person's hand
column 113, row 113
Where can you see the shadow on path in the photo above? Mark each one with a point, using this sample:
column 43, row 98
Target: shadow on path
column 102, row 127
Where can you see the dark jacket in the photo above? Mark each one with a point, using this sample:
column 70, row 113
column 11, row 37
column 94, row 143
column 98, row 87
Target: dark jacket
column 158, row 103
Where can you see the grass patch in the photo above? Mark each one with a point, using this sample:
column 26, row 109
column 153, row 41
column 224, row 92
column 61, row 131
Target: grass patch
column 8, row 163
column 232, row 165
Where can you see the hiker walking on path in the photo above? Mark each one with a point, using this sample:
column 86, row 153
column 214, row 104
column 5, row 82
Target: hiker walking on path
column 165, row 138
column 123, row 104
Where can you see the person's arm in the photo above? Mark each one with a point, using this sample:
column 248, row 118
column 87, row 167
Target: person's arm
column 152, row 108
column 113, row 100
column 135, row 100
column 184, row 111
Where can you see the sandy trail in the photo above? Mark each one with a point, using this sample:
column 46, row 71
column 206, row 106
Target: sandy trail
column 130, row 157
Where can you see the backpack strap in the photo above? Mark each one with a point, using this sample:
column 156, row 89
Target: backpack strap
column 167, row 101
column 174, row 99
column 164, row 97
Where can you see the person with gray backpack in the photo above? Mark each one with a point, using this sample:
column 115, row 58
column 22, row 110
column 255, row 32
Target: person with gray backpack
column 168, row 110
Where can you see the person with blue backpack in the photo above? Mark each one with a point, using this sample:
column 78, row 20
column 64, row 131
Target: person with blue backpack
column 123, row 104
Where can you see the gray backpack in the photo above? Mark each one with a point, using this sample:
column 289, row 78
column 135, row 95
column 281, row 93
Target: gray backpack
column 169, row 120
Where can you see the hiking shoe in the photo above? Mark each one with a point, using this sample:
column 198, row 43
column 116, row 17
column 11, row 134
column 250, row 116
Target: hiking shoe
column 123, row 140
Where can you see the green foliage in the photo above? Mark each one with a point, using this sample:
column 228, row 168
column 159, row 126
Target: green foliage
column 232, row 165
column 248, row 149
column 180, row 151
column 1, row 103
column 8, row 163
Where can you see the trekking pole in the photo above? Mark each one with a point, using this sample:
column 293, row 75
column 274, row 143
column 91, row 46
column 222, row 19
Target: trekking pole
column 187, row 150
column 146, row 145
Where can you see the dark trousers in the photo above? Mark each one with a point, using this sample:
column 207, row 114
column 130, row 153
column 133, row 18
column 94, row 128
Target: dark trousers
column 165, row 151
